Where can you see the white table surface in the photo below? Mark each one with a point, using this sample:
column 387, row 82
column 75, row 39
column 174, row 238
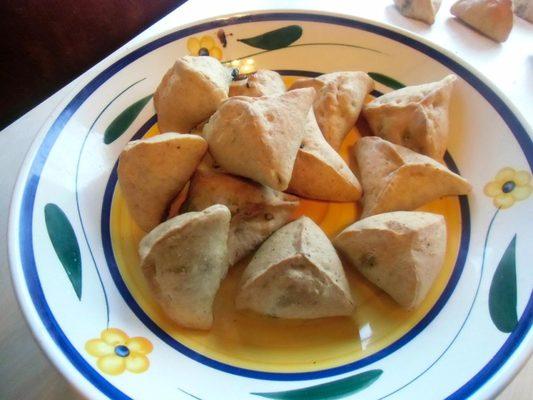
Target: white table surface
column 25, row 373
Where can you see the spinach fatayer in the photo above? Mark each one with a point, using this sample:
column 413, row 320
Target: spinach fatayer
column 185, row 259
column 153, row 171
column 259, row 137
column 262, row 83
column 242, row 147
column 493, row 18
column 422, row 10
column 338, row 102
column 319, row 171
column 415, row 117
column 256, row 210
column 190, row 92
column 395, row 178
column 401, row 252
column 296, row 273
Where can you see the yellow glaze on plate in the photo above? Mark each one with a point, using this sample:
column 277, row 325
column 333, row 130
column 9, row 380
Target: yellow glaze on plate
column 246, row 340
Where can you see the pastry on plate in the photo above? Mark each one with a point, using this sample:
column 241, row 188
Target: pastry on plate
column 151, row 173
column 339, row 99
column 256, row 210
column 259, row 137
column 415, row 117
column 262, row 82
column 319, row 172
column 296, row 273
column 400, row 252
column 190, row 92
column 185, row 259
column 395, row 178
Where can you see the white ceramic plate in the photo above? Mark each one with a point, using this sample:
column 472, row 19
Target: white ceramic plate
column 73, row 246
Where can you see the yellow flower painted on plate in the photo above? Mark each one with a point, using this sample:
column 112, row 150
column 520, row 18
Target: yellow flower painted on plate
column 508, row 187
column 204, row 46
column 116, row 352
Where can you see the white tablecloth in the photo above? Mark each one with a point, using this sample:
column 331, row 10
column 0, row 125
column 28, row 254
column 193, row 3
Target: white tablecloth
column 25, row 373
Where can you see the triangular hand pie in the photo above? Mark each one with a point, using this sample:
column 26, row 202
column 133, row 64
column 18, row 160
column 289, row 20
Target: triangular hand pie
column 151, row 173
column 400, row 252
column 259, row 137
column 296, row 273
column 190, row 92
column 524, row 9
column 415, row 117
column 319, row 172
column 256, row 210
column 338, row 102
column 395, row 178
column 263, row 82
column 185, row 259
column 423, row 10
column 493, row 18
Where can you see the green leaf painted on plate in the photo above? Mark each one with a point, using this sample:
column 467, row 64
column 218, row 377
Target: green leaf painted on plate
column 386, row 80
column 122, row 122
column 65, row 244
column 502, row 294
column 189, row 394
column 328, row 391
column 276, row 39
